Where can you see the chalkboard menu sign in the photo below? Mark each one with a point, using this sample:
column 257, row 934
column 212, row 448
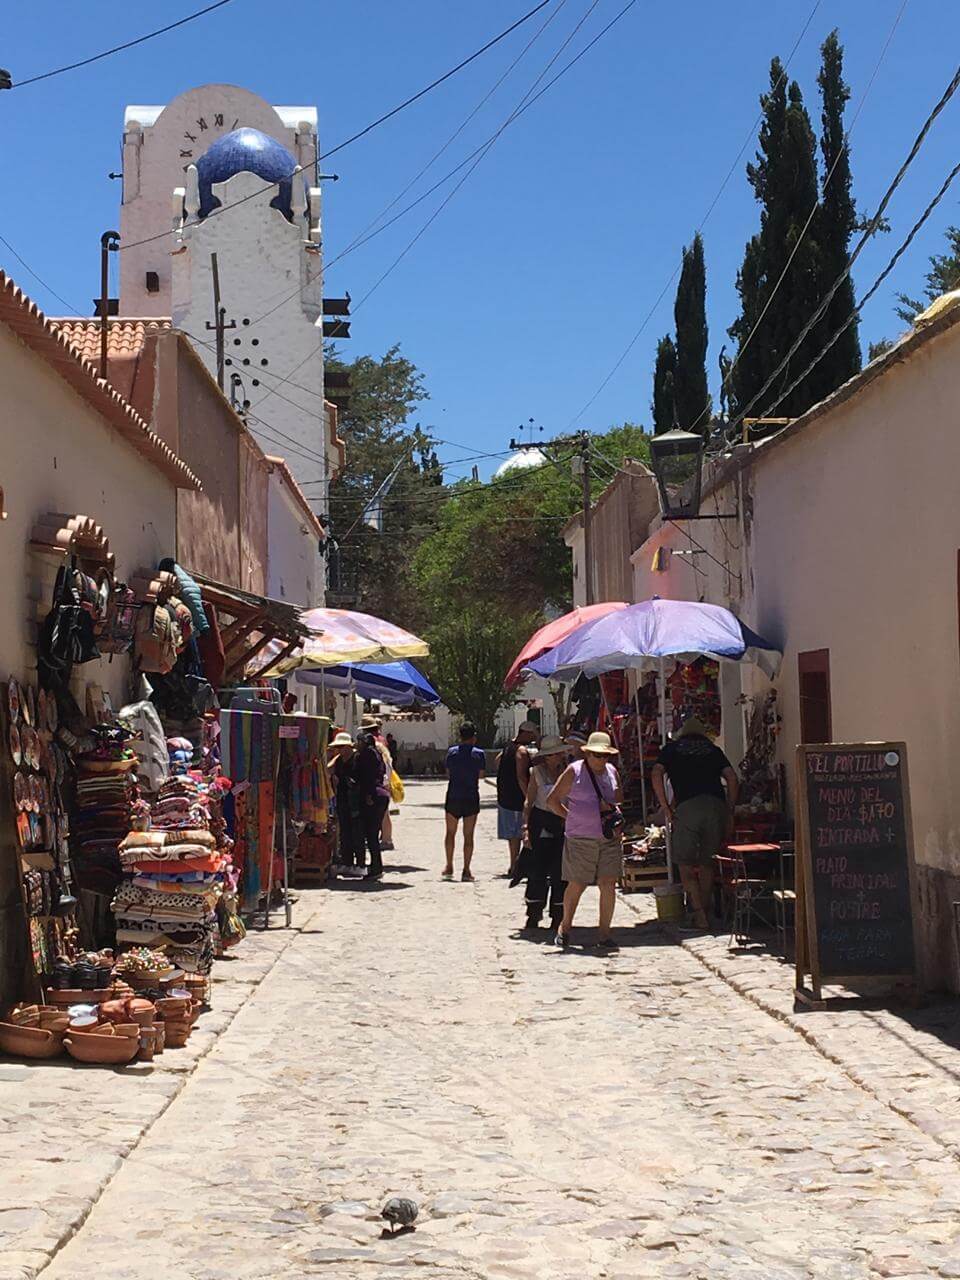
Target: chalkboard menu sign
column 855, row 871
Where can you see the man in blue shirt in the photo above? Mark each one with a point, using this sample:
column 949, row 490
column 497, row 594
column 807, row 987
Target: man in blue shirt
column 465, row 765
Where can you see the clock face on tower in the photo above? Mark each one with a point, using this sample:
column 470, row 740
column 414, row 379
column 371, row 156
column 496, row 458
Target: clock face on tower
column 202, row 131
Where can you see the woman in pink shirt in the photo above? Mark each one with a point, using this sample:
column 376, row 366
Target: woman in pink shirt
column 584, row 795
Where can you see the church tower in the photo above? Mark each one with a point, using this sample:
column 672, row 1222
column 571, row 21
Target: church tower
column 220, row 174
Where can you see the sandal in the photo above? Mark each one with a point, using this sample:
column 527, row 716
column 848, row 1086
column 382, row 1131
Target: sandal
column 468, row 877
column 447, row 875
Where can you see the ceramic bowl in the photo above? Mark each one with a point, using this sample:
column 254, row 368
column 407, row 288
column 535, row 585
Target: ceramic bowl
column 176, row 1033
column 29, row 1042
column 89, row 1026
column 106, row 1050
column 131, row 1030
column 171, row 1007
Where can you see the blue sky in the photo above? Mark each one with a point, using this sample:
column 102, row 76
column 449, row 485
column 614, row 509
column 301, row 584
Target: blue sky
column 521, row 296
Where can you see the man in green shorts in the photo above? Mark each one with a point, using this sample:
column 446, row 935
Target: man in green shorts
column 705, row 787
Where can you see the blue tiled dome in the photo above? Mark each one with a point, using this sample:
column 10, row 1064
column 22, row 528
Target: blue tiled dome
column 246, row 151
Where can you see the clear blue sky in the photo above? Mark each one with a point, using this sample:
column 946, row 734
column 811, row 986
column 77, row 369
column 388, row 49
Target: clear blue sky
column 523, row 293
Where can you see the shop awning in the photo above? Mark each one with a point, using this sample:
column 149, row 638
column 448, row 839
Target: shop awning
column 253, row 623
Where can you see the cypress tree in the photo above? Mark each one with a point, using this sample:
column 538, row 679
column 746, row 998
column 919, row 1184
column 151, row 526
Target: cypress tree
column 664, row 376
column 691, row 396
column 784, row 180
column 838, row 220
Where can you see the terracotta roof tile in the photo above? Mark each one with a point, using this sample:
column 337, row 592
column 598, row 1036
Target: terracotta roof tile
column 27, row 321
column 125, row 337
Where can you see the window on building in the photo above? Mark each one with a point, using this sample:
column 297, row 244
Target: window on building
column 815, row 718
column 153, row 282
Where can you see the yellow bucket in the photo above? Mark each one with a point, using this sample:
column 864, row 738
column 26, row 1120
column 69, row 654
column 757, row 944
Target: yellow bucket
column 669, row 898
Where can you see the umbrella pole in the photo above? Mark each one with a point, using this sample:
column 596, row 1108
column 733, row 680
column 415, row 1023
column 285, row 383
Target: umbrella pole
column 643, row 776
column 663, row 743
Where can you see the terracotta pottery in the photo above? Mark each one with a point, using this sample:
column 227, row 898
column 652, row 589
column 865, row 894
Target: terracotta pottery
column 160, row 1040
column 89, row 1025
column 176, row 1033
column 114, row 1010
column 171, row 1007
column 129, row 1029
column 54, row 1020
column 142, row 1011
column 26, row 1015
column 29, row 1042
column 106, row 1050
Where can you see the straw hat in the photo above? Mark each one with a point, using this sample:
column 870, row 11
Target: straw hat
column 694, row 727
column 550, row 747
column 342, row 740
column 529, row 726
column 599, row 744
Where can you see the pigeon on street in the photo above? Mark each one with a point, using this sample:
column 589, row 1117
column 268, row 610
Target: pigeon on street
column 400, row 1212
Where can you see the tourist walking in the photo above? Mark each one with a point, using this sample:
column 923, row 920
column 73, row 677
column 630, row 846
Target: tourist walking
column 465, row 765
column 513, row 772
column 370, row 774
column 705, row 787
column 544, row 832
column 588, row 796
column 349, row 832
column 374, row 727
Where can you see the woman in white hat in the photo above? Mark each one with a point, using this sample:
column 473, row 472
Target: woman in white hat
column 543, row 834
column 588, row 796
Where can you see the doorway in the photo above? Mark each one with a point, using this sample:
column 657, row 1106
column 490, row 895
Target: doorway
column 815, row 716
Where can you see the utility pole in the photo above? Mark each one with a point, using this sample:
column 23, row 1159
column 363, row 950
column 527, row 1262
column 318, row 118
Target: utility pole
column 219, row 321
column 109, row 243
column 587, row 518
column 581, row 467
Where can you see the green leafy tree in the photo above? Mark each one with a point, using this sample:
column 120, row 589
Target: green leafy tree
column 664, row 404
column 470, row 650
column 837, row 222
column 784, row 180
column 943, row 276
column 384, row 394
column 692, row 399
column 497, row 557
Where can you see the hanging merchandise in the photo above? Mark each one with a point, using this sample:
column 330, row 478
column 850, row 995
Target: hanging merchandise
column 249, row 744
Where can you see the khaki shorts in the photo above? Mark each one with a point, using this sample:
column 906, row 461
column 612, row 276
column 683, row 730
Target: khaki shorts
column 699, row 829
column 587, row 860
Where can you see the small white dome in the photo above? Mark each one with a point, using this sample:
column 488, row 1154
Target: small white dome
column 522, row 460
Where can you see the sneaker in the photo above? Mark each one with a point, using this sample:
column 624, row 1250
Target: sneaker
column 562, row 940
column 447, row 875
column 608, row 944
column 373, row 875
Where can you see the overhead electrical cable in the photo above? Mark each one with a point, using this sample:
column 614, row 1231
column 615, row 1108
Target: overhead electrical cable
column 703, row 222
column 361, row 133
column 868, row 232
column 119, row 48
column 813, row 212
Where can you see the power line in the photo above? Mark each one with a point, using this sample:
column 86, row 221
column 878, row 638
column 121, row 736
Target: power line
column 39, row 279
column 476, row 155
column 868, row 232
column 875, row 286
column 806, row 226
column 118, row 48
column 361, row 133
column 526, row 101
column 703, row 222
column 460, row 128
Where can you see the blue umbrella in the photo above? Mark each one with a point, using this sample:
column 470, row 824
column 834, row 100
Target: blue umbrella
column 398, row 683
column 643, row 634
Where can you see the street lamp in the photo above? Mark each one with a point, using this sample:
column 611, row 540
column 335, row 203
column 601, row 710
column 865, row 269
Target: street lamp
column 677, row 458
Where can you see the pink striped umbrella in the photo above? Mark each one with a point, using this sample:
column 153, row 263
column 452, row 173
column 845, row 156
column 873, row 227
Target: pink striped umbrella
column 342, row 635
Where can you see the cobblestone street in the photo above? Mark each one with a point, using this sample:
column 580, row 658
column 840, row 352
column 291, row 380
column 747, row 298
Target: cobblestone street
column 565, row 1116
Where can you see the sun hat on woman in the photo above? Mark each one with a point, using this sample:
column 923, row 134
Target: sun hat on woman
column 599, row 744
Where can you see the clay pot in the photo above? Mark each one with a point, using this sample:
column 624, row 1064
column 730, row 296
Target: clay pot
column 148, row 1046
column 114, row 1010
column 143, row 1012
column 88, row 1025
column 173, row 1007
column 29, row 1042
column 106, row 1050
column 54, row 1020
column 160, row 1037
column 129, row 1029
column 176, row 1033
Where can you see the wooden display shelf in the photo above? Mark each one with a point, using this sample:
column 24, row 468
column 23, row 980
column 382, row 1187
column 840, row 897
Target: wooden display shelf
column 635, row 879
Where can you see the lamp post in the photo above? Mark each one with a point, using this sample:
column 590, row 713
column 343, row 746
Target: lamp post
column 676, row 458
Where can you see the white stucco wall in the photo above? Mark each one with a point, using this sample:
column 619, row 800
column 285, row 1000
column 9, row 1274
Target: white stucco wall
column 61, row 456
column 294, row 565
column 850, row 543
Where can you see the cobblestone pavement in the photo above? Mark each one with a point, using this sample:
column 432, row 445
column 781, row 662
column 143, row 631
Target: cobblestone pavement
column 556, row 1115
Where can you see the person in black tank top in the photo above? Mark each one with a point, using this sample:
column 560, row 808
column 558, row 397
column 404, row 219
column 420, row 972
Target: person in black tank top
column 513, row 774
